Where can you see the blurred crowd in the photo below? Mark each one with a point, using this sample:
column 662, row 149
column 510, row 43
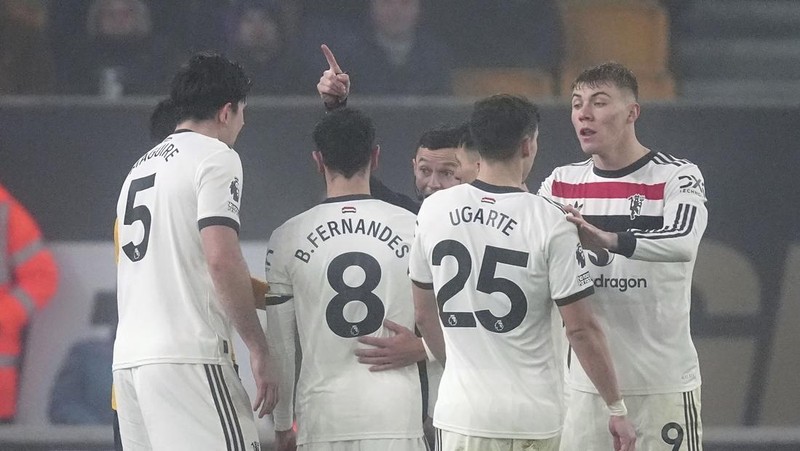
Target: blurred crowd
column 131, row 47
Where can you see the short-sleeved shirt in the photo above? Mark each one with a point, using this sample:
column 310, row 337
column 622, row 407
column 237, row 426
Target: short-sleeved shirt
column 499, row 260
column 168, row 309
column 344, row 265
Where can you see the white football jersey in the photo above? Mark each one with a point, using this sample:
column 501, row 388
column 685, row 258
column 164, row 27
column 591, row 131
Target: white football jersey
column 344, row 265
column 499, row 260
column 168, row 308
column 642, row 297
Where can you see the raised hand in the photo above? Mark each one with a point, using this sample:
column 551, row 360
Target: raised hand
column 334, row 85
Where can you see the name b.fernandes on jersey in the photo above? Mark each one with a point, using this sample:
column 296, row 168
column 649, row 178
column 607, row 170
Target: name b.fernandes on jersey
column 359, row 226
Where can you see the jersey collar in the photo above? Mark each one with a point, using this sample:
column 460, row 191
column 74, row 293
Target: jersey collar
column 483, row 186
column 346, row 198
column 617, row 173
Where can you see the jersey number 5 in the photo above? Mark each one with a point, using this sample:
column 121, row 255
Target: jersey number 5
column 136, row 252
column 345, row 294
column 487, row 283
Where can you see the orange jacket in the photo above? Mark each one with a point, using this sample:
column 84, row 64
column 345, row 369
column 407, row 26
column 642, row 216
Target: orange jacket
column 28, row 279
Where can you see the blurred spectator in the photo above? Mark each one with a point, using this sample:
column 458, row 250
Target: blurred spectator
column 501, row 33
column 82, row 389
column 28, row 279
column 396, row 55
column 386, row 49
column 258, row 41
column 121, row 53
column 192, row 25
column 26, row 64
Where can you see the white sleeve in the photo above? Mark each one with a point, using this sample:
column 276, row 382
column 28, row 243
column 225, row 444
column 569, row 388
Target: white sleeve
column 419, row 269
column 685, row 218
column 218, row 184
column 281, row 330
column 568, row 276
column 546, row 188
column 276, row 267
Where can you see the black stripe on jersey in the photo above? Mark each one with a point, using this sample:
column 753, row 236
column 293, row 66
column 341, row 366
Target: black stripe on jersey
column 215, row 397
column 575, row 296
column 663, row 158
column 555, row 204
column 424, row 286
column 682, row 226
column 278, row 300
column 622, row 223
column 229, row 402
column 218, row 220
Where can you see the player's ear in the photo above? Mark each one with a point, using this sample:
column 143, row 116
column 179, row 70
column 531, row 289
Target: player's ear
column 633, row 112
column 376, row 152
column 317, row 156
column 224, row 113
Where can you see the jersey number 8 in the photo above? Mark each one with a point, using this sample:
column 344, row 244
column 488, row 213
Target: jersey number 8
column 345, row 294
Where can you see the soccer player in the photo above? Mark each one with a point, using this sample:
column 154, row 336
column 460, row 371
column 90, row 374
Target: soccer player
column 336, row 272
column 641, row 214
column 182, row 280
column 491, row 261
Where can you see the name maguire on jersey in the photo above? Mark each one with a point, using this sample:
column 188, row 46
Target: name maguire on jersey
column 360, row 226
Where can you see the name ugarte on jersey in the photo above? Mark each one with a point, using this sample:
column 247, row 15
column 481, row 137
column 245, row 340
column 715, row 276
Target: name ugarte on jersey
column 352, row 226
column 166, row 150
column 488, row 217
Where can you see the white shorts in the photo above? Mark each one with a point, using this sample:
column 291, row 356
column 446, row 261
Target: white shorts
column 668, row 422
column 453, row 441
column 184, row 407
column 388, row 444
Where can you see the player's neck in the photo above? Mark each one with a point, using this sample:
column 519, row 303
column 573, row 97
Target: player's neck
column 337, row 185
column 620, row 157
column 206, row 128
column 501, row 173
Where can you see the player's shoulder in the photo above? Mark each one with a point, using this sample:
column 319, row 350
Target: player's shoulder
column 390, row 208
column 200, row 144
column 668, row 161
column 572, row 168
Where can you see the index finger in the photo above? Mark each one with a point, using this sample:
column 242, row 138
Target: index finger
column 331, row 59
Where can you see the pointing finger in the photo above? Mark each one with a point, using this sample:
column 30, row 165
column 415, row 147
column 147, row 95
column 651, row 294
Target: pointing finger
column 331, row 59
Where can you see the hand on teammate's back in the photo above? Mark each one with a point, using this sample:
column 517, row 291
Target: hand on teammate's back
column 266, row 380
column 399, row 350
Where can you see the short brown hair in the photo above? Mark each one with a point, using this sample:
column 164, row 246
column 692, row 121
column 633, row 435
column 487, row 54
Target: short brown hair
column 609, row 72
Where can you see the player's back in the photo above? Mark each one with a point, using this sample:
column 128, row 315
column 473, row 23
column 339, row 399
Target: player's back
column 498, row 258
column 168, row 311
column 345, row 263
